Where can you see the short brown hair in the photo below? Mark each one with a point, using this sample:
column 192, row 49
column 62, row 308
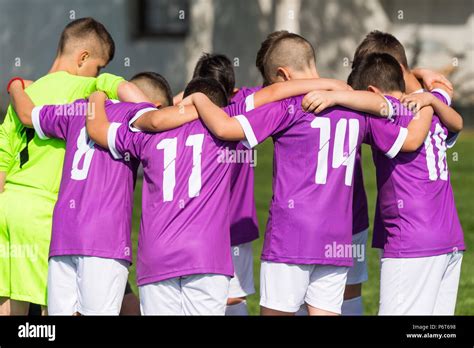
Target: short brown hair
column 287, row 50
column 210, row 87
column 380, row 70
column 155, row 87
column 379, row 42
column 265, row 47
column 91, row 31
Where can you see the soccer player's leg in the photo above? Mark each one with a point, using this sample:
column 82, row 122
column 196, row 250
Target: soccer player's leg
column 205, row 294
column 161, row 298
column 130, row 303
column 62, row 285
column 283, row 287
column 101, row 285
column 30, row 220
column 326, row 290
column 4, row 259
column 409, row 286
column 448, row 291
column 242, row 284
column 357, row 275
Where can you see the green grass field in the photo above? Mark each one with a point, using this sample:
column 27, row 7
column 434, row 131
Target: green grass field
column 461, row 164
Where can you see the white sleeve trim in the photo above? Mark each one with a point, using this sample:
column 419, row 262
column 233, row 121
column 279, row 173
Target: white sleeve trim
column 450, row 142
column 35, row 119
column 137, row 116
column 444, row 94
column 250, row 103
column 251, row 140
column 391, row 111
column 398, row 144
column 111, row 137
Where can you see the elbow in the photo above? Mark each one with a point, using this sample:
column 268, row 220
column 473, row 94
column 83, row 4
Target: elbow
column 412, row 145
column 25, row 120
column 157, row 125
column 220, row 134
column 459, row 126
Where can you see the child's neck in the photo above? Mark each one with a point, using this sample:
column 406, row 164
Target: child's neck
column 61, row 64
column 411, row 82
column 396, row 94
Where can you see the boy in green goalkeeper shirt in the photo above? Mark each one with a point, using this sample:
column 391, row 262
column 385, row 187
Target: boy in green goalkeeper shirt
column 31, row 168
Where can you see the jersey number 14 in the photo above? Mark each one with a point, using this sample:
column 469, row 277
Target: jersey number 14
column 339, row 158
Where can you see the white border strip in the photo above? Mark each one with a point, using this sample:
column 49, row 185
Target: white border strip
column 444, row 94
column 137, row 116
column 250, row 103
column 251, row 141
column 391, row 111
column 35, row 119
column 398, row 144
column 111, row 137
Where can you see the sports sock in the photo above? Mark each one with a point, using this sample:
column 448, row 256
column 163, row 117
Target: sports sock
column 237, row 309
column 353, row 306
column 303, row 311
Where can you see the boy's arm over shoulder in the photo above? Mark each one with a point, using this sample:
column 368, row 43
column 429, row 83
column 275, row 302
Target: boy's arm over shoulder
column 116, row 137
column 283, row 90
column 116, row 87
column 362, row 101
column 438, row 101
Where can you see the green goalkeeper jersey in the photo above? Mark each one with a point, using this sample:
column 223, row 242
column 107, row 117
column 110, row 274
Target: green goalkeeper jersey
column 36, row 164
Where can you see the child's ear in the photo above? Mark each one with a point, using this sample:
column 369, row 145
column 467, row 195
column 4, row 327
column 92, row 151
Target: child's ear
column 283, row 74
column 82, row 58
column 374, row 89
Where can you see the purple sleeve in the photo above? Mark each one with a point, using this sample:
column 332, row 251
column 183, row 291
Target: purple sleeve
column 138, row 111
column 263, row 122
column 385, row 136
column 123, row 142
column 52, row 121
column 444, row 97
column 241, row 106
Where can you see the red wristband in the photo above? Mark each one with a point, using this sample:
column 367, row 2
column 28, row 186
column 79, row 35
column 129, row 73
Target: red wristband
column 13, row 80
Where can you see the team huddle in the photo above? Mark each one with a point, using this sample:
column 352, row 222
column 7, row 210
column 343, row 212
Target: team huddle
column 72, row 143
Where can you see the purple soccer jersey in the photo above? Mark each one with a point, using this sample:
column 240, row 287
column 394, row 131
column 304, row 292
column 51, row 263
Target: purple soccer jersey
column 243, row 212
column 360, row 212
column 360, row 209
column 310, row 220
column 185, row 224
column 416, row 213
column 93, row 214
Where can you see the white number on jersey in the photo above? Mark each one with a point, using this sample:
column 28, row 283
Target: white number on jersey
column 339, row 157
column 85, row 149
column 439, row 137
column 170, row 146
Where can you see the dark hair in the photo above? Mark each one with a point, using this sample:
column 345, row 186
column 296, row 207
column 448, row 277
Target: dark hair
column 288, row 50
column 85, row 29
column 218, row 67
column 158, row 86
column 380, row 70
column 210, row 87
column 264, row 48
column 379, row 42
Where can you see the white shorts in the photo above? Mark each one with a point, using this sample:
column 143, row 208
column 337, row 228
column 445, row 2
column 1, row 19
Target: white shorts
column 242, row 284
column 420, row 286
column 202, row 294
column 358, row 272
column 285, row 287
column 88, row 285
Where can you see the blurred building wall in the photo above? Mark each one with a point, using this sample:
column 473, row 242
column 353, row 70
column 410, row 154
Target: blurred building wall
column 438, row 34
